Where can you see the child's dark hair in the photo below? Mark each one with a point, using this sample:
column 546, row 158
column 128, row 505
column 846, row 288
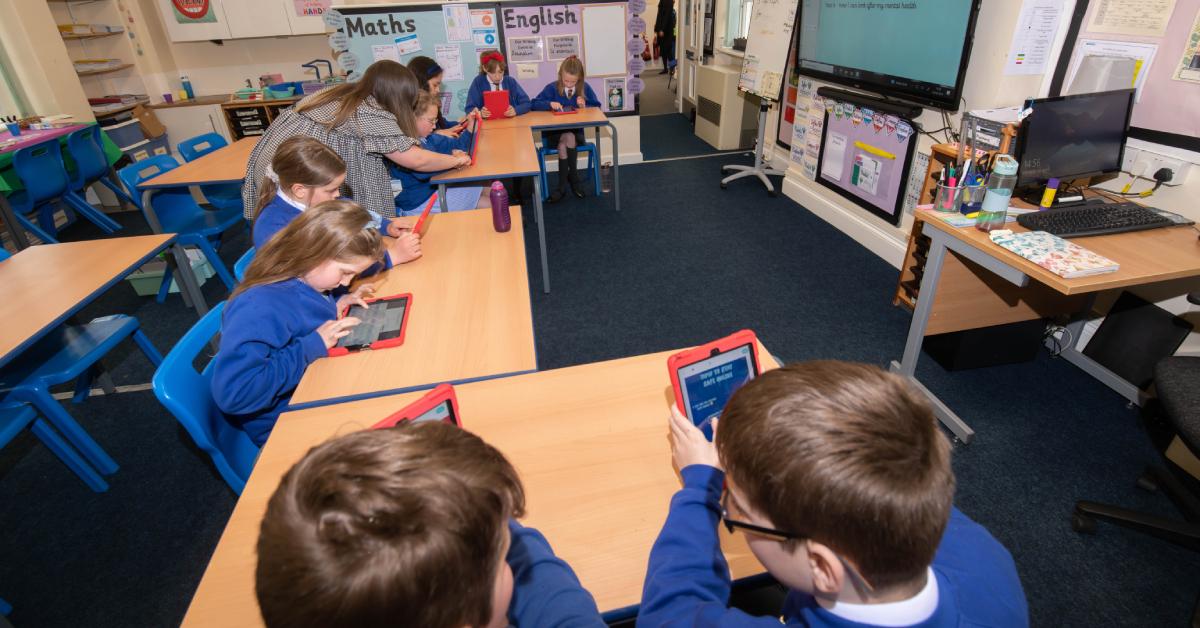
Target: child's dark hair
column 399, row 526
column 299, row 160
column 424, row 69
column 847, row 455
column 491, row 62
column 570, row 65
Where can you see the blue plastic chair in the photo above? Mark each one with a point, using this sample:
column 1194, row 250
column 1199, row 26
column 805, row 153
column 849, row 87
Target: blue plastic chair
column 69, row 354
column 219, row 195
column 41, row 170
column 5, row 607
column 91, row 166
column 179, row 213
column 187, row 394
column 592, row 165
column 239, row 267
column 15, row 417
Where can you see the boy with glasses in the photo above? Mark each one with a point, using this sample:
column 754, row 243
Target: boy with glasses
column 840, row 478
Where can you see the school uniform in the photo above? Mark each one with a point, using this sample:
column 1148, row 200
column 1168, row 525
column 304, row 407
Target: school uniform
column 516, row 96
column 282, row 210
column 973, row 581
column 550, row 94
column 546, row 591
column 268, row 337
column 416, row 187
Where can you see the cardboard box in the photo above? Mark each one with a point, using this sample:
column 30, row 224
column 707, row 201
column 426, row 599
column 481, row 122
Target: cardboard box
column 151, row 127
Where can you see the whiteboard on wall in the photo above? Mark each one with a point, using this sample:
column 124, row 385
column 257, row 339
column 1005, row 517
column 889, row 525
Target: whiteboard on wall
column 767, row 46
column 604, row 52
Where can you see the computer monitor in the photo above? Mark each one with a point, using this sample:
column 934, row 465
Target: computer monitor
column 1072, row 137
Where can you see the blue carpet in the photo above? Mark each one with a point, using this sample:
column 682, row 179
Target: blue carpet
column 671, row 135
column 676, row 270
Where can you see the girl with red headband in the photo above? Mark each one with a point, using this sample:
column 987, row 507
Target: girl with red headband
column 493, row 76
column 567, row 93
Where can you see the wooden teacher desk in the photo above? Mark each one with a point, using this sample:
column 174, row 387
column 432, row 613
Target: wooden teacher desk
column 589, row 442
column 470, row 315
column 1145, row 257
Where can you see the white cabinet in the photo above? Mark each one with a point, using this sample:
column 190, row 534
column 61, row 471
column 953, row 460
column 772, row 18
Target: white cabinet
column 235, row 19
column 186, row 122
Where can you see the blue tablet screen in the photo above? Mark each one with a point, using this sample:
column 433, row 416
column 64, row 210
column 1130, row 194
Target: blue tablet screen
column 708, row 384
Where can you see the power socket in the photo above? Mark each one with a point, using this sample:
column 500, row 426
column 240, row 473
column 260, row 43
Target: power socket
column 1146, row 163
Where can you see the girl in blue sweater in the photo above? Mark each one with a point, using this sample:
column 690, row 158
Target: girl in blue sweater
column 416, row 188
column 493, row 76
column 304, row 173
column 567, row 93
column 281, row 317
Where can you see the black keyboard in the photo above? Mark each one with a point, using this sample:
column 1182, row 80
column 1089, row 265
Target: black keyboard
column 1094, row 219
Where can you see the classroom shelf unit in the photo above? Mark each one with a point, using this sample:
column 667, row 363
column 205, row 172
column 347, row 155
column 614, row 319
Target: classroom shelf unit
column 252, row 117
column 123, row 66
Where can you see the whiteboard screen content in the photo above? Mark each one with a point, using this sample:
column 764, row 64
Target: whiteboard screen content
column 604, row 52
column 916, row 50
column 767, row 44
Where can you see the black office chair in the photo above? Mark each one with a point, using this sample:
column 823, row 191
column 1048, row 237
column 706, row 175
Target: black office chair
column 1177, row 381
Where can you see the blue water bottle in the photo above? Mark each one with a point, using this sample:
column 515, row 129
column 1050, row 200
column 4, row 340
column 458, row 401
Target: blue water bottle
column 999, row 193
column 187, row 86
column 501, row 220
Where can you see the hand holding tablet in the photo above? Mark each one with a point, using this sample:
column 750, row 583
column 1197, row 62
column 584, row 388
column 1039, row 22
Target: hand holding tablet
column 704, row 378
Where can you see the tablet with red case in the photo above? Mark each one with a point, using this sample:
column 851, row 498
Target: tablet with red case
column 439, row 404
column 390, row 328
column 496, row 102
column 422, row 223
column 564, row 112
column 475, row 141
column 704, row 378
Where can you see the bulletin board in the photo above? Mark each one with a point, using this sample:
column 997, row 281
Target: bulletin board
column 453, row 34
column 538, row 36
column 865, row 157
column 1165, row 36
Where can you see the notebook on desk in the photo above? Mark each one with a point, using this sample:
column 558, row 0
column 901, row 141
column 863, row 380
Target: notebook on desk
column 1063, row 258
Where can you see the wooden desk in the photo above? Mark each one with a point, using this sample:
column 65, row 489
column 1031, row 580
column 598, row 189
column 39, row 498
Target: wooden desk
column 589, row 442
column 1145, row 257
column 470, row 315
column 46, row 284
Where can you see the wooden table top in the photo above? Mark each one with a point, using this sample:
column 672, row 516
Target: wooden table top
column 1145, row 256
column 502, row 153
column 45, row 284
column 224, row 165
column 589, row 442
column 589, row 116
column 470, row 314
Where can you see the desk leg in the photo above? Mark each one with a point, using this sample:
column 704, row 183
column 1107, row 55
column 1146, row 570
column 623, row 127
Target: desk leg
column 189, row 286
column 148, row 210
column 1094, row 368
column 10, row 223
column 541, row 225
column 916, row 335
column 616, row 168
column 442, row 198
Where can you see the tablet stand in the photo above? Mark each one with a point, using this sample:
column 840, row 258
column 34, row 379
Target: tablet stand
column 759, row 169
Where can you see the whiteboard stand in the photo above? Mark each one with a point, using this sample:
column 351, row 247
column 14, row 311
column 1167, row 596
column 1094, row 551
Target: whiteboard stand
column 759, row 169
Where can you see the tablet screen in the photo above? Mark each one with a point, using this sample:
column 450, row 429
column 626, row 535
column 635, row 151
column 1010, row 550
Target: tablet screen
column 709, row 383
column 381, row 321
column 441, row 412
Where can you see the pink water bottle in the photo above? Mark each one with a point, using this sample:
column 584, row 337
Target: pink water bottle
column 500, row 218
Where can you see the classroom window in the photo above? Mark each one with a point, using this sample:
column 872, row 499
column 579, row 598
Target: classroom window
column 737, row 23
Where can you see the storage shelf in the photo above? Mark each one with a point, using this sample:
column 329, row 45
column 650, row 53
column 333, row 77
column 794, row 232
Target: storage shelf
column 123, row 66
column 69, row 37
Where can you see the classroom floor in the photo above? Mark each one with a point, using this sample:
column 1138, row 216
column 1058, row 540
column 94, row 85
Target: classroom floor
column 1047, row 433
column 656, row 98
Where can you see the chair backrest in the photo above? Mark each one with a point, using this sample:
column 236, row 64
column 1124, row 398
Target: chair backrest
column 171, row 205
column 239, row 267
column 41, row 170
column 4, row 254
column 139, row 171
column 186, row 393
column 200, row 145
column 85, row 150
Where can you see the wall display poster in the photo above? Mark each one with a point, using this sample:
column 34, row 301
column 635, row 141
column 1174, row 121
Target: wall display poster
column 193, row 11
column 309, row 8
column 458, row 22
column 865, row 156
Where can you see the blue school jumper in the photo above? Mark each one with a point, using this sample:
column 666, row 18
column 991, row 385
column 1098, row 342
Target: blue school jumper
column 268, row 337
column 516, row 96
column 281, row 210
column 416, row 186
column 687, row 582
column 546, row 591
column 550, row 94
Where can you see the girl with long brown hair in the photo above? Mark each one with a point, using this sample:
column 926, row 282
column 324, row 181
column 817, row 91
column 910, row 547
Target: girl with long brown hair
column 282, row 316
column 365, row 122
column 567, row 93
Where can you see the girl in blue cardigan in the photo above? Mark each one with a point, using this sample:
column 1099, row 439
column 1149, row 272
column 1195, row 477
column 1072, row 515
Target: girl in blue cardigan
column 493, row 76
column 567, row 93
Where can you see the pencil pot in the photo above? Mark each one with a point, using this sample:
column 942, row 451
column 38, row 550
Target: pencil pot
column 972, row 198
column 948, row 198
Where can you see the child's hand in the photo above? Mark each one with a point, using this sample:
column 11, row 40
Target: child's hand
column 396, row 229
column 485, row 113
column 510, row 112
column 688, row 445
column 332, row 331
column 358, row 297
column 554, row 106
column 405, row 248
column 452, row 132
column 459, row 153
column 462, row 160
column 580, row 102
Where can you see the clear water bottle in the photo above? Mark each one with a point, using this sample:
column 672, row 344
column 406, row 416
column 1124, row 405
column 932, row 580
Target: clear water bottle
column 501, row 220
column 999, row 193
column 187, row 86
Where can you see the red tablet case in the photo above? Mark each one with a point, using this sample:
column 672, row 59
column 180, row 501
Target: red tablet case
column 565, row 112
column 496, row 102
column 705, row 351
column 440, row 394
column 475, row 142
column 380, row 344
column 422, row 222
